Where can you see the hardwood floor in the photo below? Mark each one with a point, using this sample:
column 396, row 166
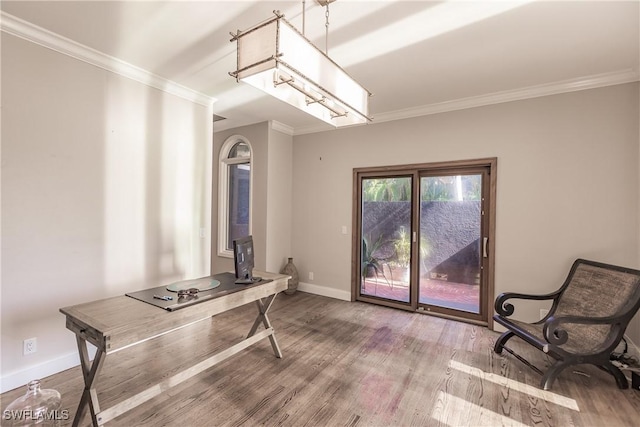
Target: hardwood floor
column 348, row 364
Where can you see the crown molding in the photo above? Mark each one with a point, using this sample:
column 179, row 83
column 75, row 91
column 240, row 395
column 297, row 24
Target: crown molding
column 565, row 86
column 281, row 127
column 26, row 30
column 23, row 29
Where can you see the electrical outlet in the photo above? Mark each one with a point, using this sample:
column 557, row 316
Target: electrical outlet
column 29, row 346
column 310, row 275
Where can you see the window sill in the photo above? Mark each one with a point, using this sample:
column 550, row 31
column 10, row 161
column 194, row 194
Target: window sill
column 225, row 254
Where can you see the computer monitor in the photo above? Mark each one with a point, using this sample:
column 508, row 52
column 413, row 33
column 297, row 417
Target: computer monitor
column 243, row 260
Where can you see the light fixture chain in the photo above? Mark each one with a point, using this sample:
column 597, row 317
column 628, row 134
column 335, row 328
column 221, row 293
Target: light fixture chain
column 326, row 25
column 303, row 15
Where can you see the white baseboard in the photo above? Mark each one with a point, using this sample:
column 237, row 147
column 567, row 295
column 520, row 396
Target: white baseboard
column 22, row 377
column 324, row 291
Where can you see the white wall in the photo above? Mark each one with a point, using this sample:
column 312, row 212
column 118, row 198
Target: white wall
column 567, row 183
column 105, row 186
column 634, row 327
column 258, row 136
column 280, row 193
column 271, row 196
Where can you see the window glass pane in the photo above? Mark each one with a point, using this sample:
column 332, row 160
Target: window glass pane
column 386, row 238
column 241, row 149
column 239, row 191
column 451, row 188
column 450, row 240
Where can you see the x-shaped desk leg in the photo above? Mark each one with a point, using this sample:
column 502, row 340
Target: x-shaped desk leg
column 90, row 373
column 264, row 304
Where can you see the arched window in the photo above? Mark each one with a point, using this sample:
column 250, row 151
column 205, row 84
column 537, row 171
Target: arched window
column 234, row 193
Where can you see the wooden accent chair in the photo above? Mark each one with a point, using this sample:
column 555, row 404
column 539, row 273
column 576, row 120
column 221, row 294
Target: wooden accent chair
column 587, row 320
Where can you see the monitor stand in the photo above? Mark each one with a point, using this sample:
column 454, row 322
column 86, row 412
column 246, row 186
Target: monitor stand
column 248, row 280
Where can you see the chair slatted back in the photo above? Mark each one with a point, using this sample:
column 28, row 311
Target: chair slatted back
column 597, row 291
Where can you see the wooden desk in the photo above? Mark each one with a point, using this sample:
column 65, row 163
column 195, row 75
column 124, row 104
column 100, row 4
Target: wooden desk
column 113, row 324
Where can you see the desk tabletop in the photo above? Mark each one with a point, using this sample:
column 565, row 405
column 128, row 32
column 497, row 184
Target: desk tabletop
column 115, row 323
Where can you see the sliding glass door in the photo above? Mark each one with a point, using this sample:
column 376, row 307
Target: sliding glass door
column 450, row 242
column 423, row 237
column 385, row 237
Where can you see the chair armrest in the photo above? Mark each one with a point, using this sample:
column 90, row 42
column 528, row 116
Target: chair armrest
column 504, row 309
column 555, row 334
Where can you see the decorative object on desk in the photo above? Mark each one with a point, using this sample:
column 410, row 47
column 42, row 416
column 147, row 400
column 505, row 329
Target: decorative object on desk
column 36, row 407
column 187, row 293
column 202, row 284
column 290, row 270
column 227, row 286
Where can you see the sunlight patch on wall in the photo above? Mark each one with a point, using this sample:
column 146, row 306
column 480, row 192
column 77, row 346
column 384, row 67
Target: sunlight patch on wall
column 178, row 191
column 155, row 205
column 124, row 184
column 516, row 386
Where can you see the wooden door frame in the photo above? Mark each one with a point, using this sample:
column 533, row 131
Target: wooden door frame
column 491, row 163
column 356, row 256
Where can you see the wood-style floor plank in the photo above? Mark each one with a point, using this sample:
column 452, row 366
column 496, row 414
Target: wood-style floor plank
column 347, row 364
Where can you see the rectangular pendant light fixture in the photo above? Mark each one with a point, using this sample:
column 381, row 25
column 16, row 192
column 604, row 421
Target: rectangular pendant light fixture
column 276, row 58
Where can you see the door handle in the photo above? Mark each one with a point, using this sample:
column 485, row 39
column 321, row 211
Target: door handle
column 485, row 240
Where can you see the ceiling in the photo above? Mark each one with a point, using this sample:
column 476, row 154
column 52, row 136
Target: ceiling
column 416, row 57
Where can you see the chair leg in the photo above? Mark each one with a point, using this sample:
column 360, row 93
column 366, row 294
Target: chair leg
column 552, row 373
column 621, row 380
column 500, row 342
